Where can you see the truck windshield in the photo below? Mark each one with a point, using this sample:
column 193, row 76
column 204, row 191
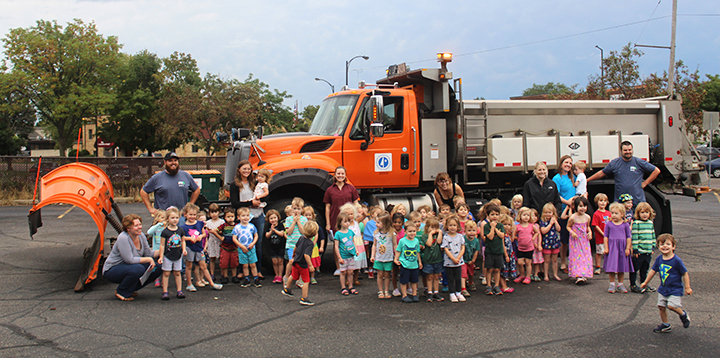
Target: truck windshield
column 333, row 115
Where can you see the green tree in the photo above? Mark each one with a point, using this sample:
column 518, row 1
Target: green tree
column 66, row 72
column 711, row 102
column 135, row 114
column 306, row 117
column 688, row 86
column 17, row 116
column 551, row 88
column 180, row 100
column 268, row 107
column 622, row 75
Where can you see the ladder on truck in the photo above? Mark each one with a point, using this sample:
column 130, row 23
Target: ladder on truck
column 473, row 124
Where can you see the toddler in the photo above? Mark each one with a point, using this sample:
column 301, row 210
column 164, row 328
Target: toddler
column 345, row 253
column 369, row 233
column 228, row 247
column 674, row 281
column 432, row 258
column 538, row 259
column 600, row 218
column 382, row 253
column 398, row 223
column 509, row 271
column 172, row 248
column 245, row 236
column 495, row 249
column 627, row 201
column 453, row 245
column 580, row 258
column 524, row 234
column 261, row 188
column 472, row 248
column 643, row 243
column 194, row 230
column 302, row 265
column 580, row 182
column 618, row 247
column 309, row 214
column 515, row 204
column 407, row 256
column 293, row 231
column 549, row 228
column 462, row 211
column 275, row 233
column 213, row 241
column 155, row 232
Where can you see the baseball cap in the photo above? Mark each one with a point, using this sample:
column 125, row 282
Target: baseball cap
column 625, row 197
column 171, row 155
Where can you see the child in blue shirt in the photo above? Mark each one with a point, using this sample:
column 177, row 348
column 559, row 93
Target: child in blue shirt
column 674, row 282
column 246, row 235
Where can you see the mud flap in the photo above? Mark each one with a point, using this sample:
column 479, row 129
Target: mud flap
column 34, row 221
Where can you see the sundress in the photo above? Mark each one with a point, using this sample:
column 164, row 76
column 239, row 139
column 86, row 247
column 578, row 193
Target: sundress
column 550, row 240
column 360, row 257
column 509, row 270
column 580, row 263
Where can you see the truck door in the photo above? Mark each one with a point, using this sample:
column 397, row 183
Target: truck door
column 388, row 161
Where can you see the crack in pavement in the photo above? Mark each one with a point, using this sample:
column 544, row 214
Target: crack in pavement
column 19, row 331
column 631, row 317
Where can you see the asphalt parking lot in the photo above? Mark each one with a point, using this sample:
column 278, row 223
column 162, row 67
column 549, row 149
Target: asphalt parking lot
column 41, row 315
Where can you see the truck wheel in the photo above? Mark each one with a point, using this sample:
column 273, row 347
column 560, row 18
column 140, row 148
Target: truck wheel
column 658, row 221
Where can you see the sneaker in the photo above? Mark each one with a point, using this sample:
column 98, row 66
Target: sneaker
column 200, row 284
column 306, row 302
column 445, row 289
column 662, row 328
column 299, row 283
column 235, row 279
column 245, row 283
column 472, row 287
column 437, row 297
column 597, row 271
column 336, row 273
column 465, row 293
column 371, row 275
column 217, row 287
column 621, row 288
column 191, row 288
column 484, row 281
column 257, row 283
column 224, row 280
column 157, row 282
column 519, row 279
column 489, row 291
column 165, row 296
column 409, row 291
column 453, row 298
column 497, row 291
column 415, row 298
column 313, row 281
column 180, row 295
column 685, row 319
column 650, row 289
column 275, row 280
column 460, row 297
column 205, row 281
column 396, row 292
column 637, row 289
column 407, row 299
column 287, row 292
column 611, row 288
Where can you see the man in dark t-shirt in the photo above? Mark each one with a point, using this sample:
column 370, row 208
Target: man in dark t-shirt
column 629, row 172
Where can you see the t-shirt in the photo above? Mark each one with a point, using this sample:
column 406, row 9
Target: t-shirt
column 292, row 238
column 431, row 253
column 226, row 231
column 599, row 219
column 276, row 241
column 564, row 186
column 384, row 247
column 471, row 247
column 629, row 176
column 170, row 190
column 369, row 231
column 245, row 233
column 643, row 236
column 338, row 197
column 454, row 243
column 494, row 246
column 173, row 243
column 345, row 243
column 409, row 250
column 581, row 181
column 670, row 272
column 525, row 237
column 194, row 230
column 304, row 247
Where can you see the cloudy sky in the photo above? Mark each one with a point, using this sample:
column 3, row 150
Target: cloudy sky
column 500, row 47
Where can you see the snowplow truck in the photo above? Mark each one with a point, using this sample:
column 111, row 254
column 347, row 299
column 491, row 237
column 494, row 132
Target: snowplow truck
column 394, row 137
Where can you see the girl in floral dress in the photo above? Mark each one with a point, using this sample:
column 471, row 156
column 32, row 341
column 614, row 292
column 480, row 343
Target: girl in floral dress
column 580, row 262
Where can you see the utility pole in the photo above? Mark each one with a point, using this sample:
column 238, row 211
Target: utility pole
column 671, row 71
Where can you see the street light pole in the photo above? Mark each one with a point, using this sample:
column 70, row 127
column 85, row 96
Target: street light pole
column 332, row 88
column 602, row 69
column 347, row 66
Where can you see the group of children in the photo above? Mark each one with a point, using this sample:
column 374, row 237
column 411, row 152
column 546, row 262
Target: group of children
column 515, row 244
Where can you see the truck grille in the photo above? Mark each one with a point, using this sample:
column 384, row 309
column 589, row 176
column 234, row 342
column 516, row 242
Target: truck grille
column 317, row 146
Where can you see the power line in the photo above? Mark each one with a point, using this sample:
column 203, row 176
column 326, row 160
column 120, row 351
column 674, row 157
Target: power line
column 651, row 15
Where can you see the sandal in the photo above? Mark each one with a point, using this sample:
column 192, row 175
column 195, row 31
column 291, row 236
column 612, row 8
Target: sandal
column 354, row 291
column 381, row 294
column 121, row 298
column 135, row 294
column 344, row 292
column 508, row 290
column 558, row 278
column 388, row 294
column 526, row 281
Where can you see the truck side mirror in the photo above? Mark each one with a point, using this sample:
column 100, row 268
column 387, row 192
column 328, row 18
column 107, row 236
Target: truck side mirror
column 378, row 129
column 376, row 111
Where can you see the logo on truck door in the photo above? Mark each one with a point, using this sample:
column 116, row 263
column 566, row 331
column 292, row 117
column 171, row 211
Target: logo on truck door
column 383, row 162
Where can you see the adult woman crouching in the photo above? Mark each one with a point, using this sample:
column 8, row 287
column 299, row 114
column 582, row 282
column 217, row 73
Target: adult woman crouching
column 129, row 259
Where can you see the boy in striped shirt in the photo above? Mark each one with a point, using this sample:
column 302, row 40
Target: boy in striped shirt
column 643, row 243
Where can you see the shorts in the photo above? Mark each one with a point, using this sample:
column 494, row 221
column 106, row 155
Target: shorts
column 194, row 256
column 171, row 265
column 551, row 251
column 467, row 271
column 525, row 255
column 289, row 253
column 349, row 265
column 276, row 252
column 671, row 301
column 431, row 269
column 494, row 261
column 408, row 275
column 228, row 259
column 383, row 266
column 299, row 272
column 247, row 258
column 599, row 249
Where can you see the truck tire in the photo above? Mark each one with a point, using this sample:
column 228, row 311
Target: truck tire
column 658, row 221
column 280, row 205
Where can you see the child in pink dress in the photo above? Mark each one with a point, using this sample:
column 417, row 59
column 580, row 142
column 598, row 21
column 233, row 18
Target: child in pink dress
column 580, row 258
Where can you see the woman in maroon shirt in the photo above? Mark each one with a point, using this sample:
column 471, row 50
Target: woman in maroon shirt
column 336, row 195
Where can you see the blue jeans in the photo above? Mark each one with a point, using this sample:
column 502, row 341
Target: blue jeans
column 259, row 222
column 128, row 277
